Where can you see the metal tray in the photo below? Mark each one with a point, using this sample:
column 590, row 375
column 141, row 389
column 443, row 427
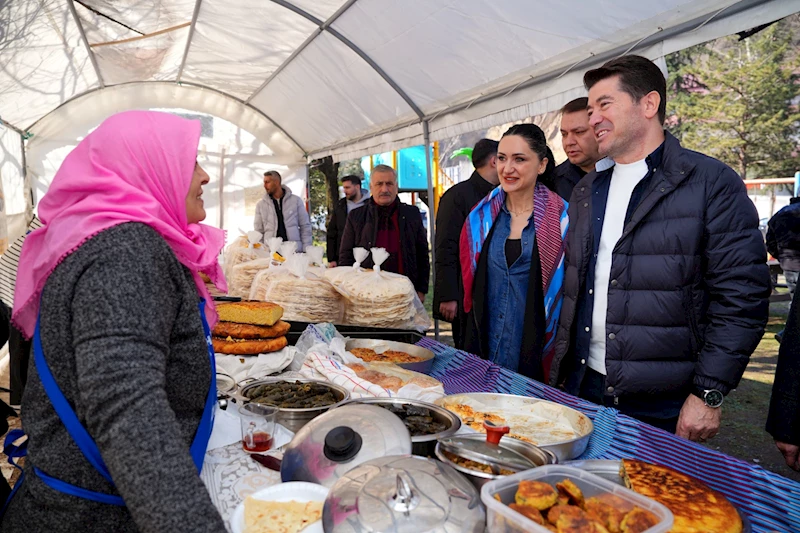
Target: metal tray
column 381, row 346
column 610, row 470
column 565, row 450
column 360, row 332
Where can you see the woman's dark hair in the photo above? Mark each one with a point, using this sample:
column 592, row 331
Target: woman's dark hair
column 535, row 138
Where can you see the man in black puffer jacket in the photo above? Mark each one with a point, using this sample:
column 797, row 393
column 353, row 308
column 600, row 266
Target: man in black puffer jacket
column 666, row 284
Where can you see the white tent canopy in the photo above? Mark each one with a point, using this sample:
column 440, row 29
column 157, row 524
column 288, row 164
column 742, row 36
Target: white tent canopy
column 328, row 77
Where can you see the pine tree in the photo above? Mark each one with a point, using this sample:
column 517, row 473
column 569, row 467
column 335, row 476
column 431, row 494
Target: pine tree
column 737, row 101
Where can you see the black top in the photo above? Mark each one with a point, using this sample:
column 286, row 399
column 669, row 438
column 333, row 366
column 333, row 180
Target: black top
column 279, row 213
column 513, row 251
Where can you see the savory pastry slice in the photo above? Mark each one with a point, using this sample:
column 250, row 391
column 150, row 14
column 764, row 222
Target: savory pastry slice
column 536, row 494
column 695, row 506
column 247, row 347
column 257, row 313
column 250, row 331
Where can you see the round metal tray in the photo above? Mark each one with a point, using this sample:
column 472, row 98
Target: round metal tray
column 497, row 403
column 381, row 346
column 610, row 470
column 295, row 418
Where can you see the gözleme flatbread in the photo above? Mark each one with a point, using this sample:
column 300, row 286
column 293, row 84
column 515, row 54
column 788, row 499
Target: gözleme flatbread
column 279, row 517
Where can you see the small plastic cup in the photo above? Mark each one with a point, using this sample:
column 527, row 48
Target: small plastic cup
column 258, row 426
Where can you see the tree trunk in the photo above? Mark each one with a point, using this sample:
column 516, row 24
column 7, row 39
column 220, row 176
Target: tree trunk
column 331, row 171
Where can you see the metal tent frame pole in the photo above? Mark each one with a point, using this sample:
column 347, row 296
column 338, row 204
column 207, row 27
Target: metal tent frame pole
column 431, row 211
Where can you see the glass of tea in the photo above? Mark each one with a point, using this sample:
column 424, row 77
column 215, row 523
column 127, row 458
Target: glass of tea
column 258, row 426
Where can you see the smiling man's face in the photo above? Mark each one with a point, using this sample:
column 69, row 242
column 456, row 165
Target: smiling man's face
column 618, row 121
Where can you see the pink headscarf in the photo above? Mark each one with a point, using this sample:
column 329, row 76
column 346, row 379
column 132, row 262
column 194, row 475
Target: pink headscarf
column 136, row 166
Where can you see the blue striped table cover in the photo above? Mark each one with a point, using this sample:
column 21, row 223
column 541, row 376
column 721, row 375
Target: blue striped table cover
column 771, row 502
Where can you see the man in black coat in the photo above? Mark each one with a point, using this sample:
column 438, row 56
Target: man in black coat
column 783, row 420
column 783, row 243
column 454, row 206
column 354, row 197
column 666, row 285
column 386, row 222
column 577, row 139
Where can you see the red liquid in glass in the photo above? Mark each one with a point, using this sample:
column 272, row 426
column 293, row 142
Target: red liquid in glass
column 262, row 442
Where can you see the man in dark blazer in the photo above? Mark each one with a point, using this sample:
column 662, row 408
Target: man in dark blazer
column 454, row 206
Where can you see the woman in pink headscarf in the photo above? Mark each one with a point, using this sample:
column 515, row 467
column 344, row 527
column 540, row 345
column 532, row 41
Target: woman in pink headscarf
column 120, row 395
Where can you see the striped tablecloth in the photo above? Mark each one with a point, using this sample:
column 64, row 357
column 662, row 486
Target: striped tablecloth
column 771, row 502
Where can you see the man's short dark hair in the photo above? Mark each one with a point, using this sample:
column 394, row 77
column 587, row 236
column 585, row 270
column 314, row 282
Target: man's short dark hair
column 579, row 104
column 355, row 180
column 638, row 76
column 483, row 150
column 273, row 174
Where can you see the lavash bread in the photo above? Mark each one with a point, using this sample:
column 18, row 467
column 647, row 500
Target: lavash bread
column 374, row 298
column 301, row 290
column 243, row 274
column 256, row 313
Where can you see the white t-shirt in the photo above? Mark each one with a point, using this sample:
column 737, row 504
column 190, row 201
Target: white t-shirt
column 623, row 180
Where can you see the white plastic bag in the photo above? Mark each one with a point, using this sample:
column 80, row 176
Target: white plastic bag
column 245, row 248
column 315, row 254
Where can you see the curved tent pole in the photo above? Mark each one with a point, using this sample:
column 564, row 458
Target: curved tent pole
column 190, row 84
column 326, row 26
column 431, row 212
column 92, row 57
column 189, row 39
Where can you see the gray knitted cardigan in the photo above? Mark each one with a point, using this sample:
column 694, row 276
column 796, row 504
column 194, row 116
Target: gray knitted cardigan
column 122, row 334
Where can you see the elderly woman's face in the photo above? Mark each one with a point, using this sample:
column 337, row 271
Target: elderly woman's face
column 195, row 212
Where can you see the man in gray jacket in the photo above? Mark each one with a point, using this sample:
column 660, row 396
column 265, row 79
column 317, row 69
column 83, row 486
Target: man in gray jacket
column 282, row 214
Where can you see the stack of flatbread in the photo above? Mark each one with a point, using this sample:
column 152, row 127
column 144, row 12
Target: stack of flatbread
column 242, row 275
column 245, row 248
column 279, row 517
column 376, row 299
column 302, row 291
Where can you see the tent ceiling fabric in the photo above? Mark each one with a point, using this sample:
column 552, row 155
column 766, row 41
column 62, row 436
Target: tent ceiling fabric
column 336, row 77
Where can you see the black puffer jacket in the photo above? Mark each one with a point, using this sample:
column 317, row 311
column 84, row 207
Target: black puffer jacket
column 688, row 297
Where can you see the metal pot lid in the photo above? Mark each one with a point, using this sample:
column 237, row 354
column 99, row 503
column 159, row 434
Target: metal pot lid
column 225, row 383
column 407, row 494
column 341, row 439
column 488, row 452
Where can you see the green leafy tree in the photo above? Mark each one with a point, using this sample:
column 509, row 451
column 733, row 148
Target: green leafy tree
column 737, row 101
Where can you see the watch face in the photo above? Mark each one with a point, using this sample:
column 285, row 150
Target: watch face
column 714, row 398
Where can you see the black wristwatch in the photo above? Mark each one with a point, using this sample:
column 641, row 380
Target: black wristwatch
column 712, row 397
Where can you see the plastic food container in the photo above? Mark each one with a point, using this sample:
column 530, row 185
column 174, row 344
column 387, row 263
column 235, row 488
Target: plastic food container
column 500, row 518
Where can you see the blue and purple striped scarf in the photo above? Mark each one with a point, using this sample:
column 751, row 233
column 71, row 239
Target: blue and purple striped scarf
column 550, row 223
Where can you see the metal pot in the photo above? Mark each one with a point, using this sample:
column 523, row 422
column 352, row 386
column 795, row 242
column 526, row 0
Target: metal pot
column 422, row 445
column 294, row 419
column 536, row 455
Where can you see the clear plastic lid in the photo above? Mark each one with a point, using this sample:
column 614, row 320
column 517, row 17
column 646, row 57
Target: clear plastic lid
column 406, row 494
column 341, row 439
column 225, row 383
column 493, row 455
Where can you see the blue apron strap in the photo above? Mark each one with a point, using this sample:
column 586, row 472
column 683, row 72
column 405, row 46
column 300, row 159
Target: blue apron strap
column 65, row 411
column 79, row 492
column 201, row 438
